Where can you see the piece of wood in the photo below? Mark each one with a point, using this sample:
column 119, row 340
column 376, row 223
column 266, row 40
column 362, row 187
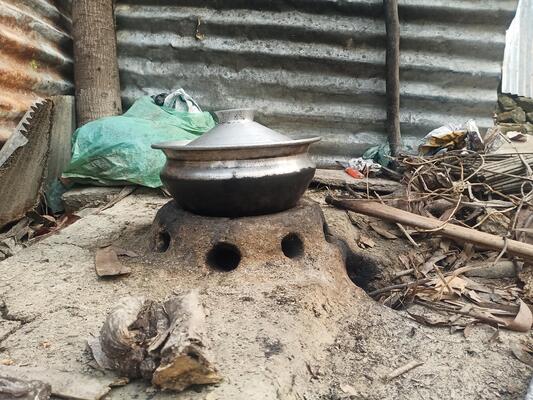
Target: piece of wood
column 488, row 270
column 63, row 125
column 392, row 26
column 23, row 172
column 68, row 385
column 165, row 343
column 481, row 239
column 403, row 369
column 95, row 60
column 339, row 178
column 185, row 359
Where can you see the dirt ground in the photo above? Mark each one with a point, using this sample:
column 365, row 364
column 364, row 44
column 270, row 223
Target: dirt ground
column 285, row 330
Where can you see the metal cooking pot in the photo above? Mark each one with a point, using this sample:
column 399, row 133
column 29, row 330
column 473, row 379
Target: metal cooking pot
column 238, row 168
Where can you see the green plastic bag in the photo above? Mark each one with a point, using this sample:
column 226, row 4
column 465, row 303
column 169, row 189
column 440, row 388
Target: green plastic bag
column 116, row 150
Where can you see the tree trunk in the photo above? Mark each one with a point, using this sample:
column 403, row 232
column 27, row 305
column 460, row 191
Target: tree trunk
column 392, row 24
column 95, row 60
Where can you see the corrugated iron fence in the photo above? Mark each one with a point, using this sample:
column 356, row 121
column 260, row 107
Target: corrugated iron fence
column 309, row 66
column 317, row 66
column 35, row 56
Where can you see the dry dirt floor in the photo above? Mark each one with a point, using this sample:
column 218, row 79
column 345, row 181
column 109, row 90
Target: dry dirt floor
column 285, row 330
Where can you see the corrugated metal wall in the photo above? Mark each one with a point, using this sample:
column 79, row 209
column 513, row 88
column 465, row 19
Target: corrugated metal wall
column 317, row 66
column 35, row 55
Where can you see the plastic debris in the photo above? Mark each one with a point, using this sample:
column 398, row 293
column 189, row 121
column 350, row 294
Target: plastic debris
column 117, row 151
column 452, row 137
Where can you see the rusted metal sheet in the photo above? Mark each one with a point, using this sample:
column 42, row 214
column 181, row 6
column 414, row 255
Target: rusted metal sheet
column 317, row 67
column 36, row 56
column 517, row 73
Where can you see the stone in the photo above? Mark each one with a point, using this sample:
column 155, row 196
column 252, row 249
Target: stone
column 517, row 115
column 525, row 103
column 529, row 116
column 512, row 128
column 78, row 198
column 528, row 127
column 506, row 102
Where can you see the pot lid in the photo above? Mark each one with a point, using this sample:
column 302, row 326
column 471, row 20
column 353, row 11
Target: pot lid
column 236, row 129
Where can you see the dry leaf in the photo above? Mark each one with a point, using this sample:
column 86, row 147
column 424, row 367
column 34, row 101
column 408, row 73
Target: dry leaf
column 521, row 352
column 404, row 259
column 468, row 330
column 107, row 263
column 523, row 320
column 454, row 283
column 381, row 229
column 365, row 241
column 430, row 264
column 444, row 245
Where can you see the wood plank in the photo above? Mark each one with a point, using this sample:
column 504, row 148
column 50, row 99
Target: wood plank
column 339, row 179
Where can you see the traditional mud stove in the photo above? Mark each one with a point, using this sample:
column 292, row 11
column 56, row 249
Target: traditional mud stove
column 237, row 197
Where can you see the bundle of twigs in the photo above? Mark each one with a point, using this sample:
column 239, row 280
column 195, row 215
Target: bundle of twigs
column 505, row 173
column 480, row 177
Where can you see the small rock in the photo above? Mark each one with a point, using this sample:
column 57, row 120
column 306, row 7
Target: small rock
column 529, row 116
column 76, row 199
column 517, row 115
column 505, row 128
column 506, row 102
column 525, row 103
column 528, row 127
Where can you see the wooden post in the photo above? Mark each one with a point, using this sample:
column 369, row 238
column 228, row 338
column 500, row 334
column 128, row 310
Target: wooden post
column 392, row 24
column 95, row 60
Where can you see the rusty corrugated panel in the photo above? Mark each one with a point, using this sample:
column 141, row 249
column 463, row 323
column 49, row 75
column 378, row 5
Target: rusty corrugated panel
column 36, row 61
column 518, row 61
column 316, row 67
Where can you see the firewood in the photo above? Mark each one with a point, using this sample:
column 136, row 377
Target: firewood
column 481, row 239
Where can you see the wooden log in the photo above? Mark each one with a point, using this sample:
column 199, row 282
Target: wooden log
column 95, row 60
column 165, row 343
column 185, row 359
column 392, row 25
column 460, row 233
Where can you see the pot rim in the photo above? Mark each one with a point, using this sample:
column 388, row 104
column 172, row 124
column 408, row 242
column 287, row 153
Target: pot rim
column 178, row 145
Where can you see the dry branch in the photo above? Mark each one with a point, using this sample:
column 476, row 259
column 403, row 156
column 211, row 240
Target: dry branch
column 481, row 239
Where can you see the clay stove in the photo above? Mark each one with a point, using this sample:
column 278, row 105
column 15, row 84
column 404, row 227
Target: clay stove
column 294, row 236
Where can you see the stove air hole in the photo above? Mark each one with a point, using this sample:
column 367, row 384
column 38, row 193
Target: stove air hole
column 224, row 257
column 292, row 246
column 162, row 241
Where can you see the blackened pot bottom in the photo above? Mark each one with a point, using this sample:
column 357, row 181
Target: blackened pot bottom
column 238, row 197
